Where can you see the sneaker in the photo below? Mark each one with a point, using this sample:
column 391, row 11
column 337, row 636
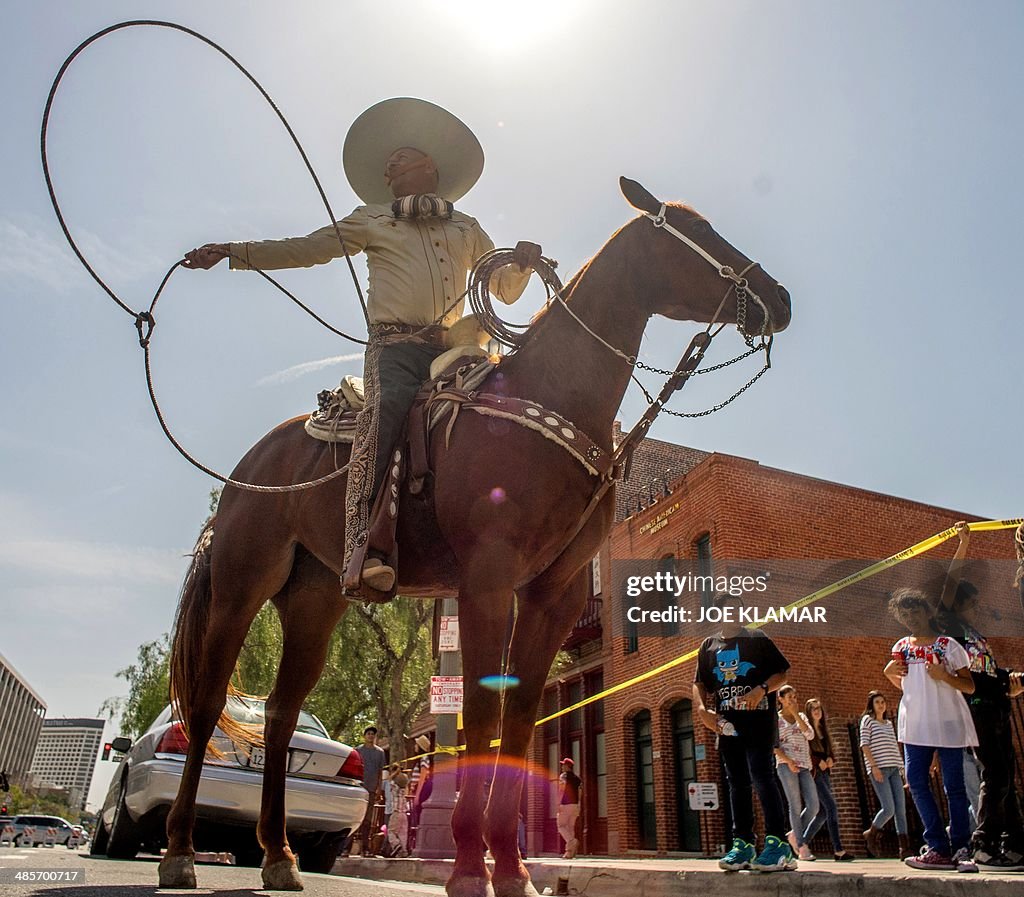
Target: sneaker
column 964, row 861
column 996, row 862
column 739, row 857
column 776, row 857
column 930, row 859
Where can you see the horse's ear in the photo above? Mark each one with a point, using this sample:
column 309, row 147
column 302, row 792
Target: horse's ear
column 638, row 196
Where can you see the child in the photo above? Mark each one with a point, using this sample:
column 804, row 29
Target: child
column 932, row 671
column 793, row 764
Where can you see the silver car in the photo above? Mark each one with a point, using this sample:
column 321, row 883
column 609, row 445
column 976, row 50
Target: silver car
column 324, row 796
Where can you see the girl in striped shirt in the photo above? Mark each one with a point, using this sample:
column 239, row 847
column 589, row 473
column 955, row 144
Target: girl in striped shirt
column 884, row 762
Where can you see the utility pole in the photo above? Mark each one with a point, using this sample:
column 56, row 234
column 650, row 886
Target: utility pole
column 434, row 838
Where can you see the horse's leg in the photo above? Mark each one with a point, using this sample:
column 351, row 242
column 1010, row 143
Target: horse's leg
column 218, row 608
column 310, row 606
column 546, row 616
column 483, row 618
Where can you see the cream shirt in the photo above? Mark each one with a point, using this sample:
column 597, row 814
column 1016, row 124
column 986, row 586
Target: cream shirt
column 417, row 267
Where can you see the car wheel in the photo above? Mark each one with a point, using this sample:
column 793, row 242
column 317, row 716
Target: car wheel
column 123, row 842
column 321, row 854
column 20, row 841
column 98, row 845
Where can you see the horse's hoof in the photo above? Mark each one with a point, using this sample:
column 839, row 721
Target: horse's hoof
column 514, row 887
column 469, row 886
column 177, row 872
column 282, row 876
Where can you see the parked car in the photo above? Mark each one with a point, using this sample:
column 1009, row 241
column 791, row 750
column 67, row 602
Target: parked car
column 37, row 827
column 324, row 795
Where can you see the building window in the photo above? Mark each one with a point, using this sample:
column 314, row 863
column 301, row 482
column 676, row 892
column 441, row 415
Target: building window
column 644, row 749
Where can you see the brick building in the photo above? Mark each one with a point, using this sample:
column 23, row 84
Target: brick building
column 638, row 749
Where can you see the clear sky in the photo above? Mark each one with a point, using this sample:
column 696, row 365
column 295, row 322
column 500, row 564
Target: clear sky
column 867, row 153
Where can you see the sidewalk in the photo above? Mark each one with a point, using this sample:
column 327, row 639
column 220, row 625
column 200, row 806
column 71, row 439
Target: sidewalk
column 620, row 877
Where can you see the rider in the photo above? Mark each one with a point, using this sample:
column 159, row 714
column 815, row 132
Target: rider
column 408, row 160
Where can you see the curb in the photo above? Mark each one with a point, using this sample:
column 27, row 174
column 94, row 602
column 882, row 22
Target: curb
column 605, row 879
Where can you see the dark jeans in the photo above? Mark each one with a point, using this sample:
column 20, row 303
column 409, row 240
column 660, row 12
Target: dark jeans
column 749, row 766
column 402, row 369
column 999, row 811
column 919, row 761
column 828, row 812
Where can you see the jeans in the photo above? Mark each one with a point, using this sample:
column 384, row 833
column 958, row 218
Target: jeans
column 972, row 785
column 890, row 795
column 919, row 760
column 802, row 797
column 828, row 812
column 748, row 767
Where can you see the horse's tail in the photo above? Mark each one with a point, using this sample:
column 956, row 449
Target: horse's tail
column 187, row 649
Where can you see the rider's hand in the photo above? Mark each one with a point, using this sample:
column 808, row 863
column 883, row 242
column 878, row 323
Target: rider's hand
column 206, row 256
column 526, row 254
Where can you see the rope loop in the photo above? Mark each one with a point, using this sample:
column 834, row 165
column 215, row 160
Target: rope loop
column 145, row 323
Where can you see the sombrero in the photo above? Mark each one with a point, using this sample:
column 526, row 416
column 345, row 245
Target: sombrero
column 405, row 121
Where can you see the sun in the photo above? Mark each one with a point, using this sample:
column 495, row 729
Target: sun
column 495, row 26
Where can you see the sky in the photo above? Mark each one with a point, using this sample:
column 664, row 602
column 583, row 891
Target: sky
column 866, row 153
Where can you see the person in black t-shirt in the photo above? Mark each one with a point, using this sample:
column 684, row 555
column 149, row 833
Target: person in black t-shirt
column 738, row 674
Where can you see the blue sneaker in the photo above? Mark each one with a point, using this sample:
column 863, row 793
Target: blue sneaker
column 776, row 857
column 739, row 857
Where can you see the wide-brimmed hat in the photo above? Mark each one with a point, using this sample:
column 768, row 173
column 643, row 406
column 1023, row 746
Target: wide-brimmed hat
column 406, row 121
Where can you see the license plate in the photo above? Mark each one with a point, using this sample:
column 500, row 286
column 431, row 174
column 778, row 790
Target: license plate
column 257, row 758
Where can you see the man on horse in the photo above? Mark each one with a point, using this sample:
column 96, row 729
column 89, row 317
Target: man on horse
column 409, row 161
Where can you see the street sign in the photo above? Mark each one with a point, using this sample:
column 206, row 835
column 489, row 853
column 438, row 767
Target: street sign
column 703, row 795
column 446, row 694
column 449, row 637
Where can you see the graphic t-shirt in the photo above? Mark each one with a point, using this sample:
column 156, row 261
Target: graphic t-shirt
column 793, row 742
column 989, row 684
column 932, row 713
column 728, row 668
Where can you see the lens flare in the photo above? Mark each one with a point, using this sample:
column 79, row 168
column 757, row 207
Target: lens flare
column 497, row 683
column 497, row 495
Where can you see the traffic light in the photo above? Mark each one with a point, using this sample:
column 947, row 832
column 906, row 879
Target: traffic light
column 3, row 809
column 107, row 748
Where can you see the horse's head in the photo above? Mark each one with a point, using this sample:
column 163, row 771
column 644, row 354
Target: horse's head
column 689, row 268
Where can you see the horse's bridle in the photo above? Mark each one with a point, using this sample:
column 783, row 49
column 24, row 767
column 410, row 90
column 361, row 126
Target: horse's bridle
column 739, row 282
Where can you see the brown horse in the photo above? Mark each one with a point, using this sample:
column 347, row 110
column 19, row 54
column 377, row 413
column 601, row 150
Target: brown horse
column 507, row 502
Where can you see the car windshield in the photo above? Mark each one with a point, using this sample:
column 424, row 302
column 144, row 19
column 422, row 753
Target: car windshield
column 253, row 712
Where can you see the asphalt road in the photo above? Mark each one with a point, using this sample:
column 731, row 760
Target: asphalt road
column 100, row 877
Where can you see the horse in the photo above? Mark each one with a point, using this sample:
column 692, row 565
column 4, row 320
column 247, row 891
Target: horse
column 509, row 528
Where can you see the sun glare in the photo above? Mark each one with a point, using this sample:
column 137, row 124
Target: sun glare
column 506, row 27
